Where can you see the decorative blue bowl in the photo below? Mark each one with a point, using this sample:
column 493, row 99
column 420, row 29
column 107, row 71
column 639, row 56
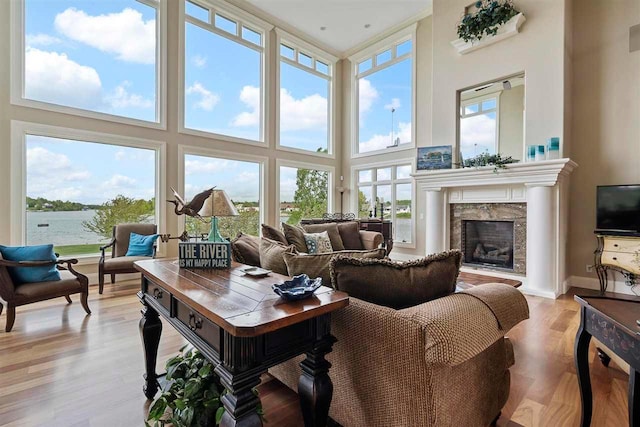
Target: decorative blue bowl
column 300, row 287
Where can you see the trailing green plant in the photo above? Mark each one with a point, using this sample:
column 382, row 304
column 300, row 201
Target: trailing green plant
column 191, row 396
column 486, row 159
column 490, row 14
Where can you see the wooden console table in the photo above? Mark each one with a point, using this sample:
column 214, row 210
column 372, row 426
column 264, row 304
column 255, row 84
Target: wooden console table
column 243, row 328
column 613, row 322
column 617, row 253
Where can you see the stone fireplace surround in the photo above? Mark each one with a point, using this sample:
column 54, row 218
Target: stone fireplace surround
column 543, row 186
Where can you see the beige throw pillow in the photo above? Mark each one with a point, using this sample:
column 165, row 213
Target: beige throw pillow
column 271, row 255
column 317, row 265
column 295, row 236
column 318, row 243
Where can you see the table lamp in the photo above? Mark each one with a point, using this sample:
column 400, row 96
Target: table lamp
column 217, row 204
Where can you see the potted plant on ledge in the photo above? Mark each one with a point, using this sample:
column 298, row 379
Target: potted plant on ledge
column 492, row 21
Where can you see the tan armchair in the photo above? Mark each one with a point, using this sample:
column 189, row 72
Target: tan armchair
column 119, row 263
column 17, row 294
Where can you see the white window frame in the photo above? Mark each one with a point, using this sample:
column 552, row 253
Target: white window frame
column 18, row 195
column 479, row 100
column 17, row 30
column 242, row 18
column 370, row 52
column 393, row 164
column 300, row 46
column 189, row 150
column 304, row 165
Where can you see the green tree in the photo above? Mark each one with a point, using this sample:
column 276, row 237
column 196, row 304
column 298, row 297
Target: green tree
column 363, row 205
column 246, row 222
column 310, row 198
column 119, row 210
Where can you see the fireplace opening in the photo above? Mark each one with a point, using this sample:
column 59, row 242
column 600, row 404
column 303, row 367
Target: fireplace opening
column 488, row 243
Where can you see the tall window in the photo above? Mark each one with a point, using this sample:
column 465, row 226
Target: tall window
column 384, row 95
column 239, row 179
column 77, row 191
column 223, row 86
column 479, row 126
column 304, row 193
column 388, row 188
column 305, row 99
column 98, row 56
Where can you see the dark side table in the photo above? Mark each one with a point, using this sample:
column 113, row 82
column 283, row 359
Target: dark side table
column 611, row 320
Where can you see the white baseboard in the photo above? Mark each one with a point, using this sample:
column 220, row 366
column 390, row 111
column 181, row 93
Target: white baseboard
column 537, row 292
column 617, row 286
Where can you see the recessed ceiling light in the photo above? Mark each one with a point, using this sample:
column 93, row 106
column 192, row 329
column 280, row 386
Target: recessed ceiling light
column 367, row 25
column 323, row 28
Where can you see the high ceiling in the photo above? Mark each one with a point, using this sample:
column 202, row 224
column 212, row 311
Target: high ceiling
column 344, row 20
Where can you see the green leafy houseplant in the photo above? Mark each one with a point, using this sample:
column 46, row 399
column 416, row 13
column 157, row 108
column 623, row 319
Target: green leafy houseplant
column 486, row 159
column 490, row 14
column 191, row 396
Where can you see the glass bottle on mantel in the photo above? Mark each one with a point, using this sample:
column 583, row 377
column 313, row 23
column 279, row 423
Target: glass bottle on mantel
column 553, row 148
column 540, row 155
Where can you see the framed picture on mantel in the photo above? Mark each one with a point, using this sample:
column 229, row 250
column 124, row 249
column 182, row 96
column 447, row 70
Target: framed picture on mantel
column 433, row 158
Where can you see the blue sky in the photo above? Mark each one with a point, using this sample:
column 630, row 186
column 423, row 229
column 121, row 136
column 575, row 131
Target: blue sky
column 100, row 56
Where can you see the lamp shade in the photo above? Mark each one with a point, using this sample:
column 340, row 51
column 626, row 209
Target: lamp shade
column 218, row 204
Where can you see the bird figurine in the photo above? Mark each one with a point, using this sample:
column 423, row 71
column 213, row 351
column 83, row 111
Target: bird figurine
column 193, row 207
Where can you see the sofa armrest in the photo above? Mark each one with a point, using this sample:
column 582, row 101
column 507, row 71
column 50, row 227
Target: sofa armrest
column 370, row 239
column 460, row 326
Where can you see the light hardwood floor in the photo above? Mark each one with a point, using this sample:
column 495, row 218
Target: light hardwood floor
column 60, row 368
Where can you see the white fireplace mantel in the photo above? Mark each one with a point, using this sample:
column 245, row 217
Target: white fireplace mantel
column 542, row 185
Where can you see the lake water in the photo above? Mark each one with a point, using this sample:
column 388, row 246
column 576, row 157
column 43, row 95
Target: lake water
column 65, row 228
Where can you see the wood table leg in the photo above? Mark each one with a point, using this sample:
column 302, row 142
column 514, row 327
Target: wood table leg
column 150, row 331
column 581, row 355
column 315, row 387
column 634, row 398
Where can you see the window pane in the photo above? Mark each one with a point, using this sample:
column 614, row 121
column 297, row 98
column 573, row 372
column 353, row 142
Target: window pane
column 364, row 201
column 239, row 179
column 77, row 191
column 304, row 116
column 96, row 56
column 383, row 195
column 384, row 104
column 403, row 172
column 403, row 222
column 197, row 11
column 226, row 24
column 364, row 176
column 287, row 51
column 383, row 57
column 403, row 48
column 303, row 194
column 305, row 60
column 478, row 135
column 364, row 66
column 489, row 104
column 321, row 67
column 383, row 174
column 251, row 36
column 471, row 109
column 222, row 85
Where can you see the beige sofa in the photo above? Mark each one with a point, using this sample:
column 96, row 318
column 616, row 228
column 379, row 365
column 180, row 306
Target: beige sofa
column 441, row 363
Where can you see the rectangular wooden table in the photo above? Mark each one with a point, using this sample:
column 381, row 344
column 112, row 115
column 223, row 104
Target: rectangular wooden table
column 611, row 320
column 243, row 328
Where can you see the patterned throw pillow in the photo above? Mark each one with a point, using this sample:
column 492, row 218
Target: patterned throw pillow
column 318, row 243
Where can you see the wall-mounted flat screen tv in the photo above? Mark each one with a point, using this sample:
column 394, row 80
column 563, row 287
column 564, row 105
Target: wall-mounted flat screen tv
column 618, row 208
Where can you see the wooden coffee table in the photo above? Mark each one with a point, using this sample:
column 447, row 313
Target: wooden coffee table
column 242, row 327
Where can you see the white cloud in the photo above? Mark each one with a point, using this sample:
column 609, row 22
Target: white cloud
column 205, row 166
column 393, row 105
column 41, row 40
column 250, row 95
column 208, row 99
column 121, row 98
column 53, row 77
column 46, row 171
column 199, row 61
column 478, row 130
column 378, row 142
column 119, row 181
column 120, row 155
column 125, row 34
column 367, row 94
column 309, row 112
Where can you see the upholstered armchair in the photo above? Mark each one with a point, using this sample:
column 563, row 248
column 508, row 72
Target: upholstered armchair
column 119, row 263
column 17, row 294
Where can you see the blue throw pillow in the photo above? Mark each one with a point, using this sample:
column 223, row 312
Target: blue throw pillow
column 140, row 245
column 31, row 253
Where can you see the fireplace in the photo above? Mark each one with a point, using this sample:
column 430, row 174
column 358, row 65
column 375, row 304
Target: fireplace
column 488, row 243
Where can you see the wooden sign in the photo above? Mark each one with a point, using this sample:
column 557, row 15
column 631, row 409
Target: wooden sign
column 204, row 254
